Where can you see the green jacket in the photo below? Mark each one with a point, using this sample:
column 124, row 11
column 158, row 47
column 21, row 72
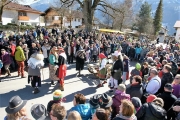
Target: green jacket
column 19, row 54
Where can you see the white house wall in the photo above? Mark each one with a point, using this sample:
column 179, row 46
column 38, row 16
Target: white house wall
column 178, row 35
column 73, row 23
column 8, row 16
column 33, row 17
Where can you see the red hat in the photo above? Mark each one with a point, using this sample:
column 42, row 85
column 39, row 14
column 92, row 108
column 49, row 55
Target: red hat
column 150, row 98
column 101, row 55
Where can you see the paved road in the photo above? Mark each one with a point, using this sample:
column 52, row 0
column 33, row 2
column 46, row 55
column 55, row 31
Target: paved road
column 17, row 86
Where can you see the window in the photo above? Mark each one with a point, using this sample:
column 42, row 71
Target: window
column 74, row 19
column 22, row 13
column 52, row 17
column 79, row 20
column 22, row 23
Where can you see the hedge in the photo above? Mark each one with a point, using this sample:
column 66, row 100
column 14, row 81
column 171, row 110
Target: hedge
column 15, row 27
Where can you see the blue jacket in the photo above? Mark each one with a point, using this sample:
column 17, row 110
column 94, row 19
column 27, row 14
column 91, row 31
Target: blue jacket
column 84, row 110
column 138, row 50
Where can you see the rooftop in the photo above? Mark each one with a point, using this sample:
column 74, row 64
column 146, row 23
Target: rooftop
column 177, row 24
column 19, row 7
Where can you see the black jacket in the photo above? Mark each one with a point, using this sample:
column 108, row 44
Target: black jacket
column 135, row 91
column 151, row 111
column 166, row 78
column 168, row 99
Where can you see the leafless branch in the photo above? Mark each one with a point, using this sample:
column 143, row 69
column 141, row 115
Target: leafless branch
column 105, row 12
column 95, row 4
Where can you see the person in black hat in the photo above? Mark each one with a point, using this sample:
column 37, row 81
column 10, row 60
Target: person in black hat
column 16, row 109
column 94, row 103
column 39, row 112
column 167, row 96
column 106, row 102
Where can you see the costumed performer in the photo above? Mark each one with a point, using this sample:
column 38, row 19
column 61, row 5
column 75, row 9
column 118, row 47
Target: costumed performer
column 116, row 71
column 102, row 70
column 61, row 72
column 80, row 60
column 35, row 63
column 53, row 59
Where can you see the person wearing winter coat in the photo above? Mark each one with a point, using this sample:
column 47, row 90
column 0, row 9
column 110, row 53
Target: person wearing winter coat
column 136, row 88
column 176, row 86
column 120, row 94
column 80, row 106
column 131, row 52
column 6, row 60
column 125, row 75
column 167, row 96
column 20, row 58
column 126, row 111
column 174, row 67
column 152, row 111
column 166, row 78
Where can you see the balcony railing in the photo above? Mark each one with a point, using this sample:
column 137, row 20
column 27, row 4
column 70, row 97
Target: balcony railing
column 24, row 18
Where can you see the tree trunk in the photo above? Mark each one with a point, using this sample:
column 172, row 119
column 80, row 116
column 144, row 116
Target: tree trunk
column 1, row 12
column 88, row 13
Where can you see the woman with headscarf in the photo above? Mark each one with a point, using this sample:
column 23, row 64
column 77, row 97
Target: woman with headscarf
column 35, row 63
column 80, row 60
column 61, row 72
column 53, row 58
column 102, row 69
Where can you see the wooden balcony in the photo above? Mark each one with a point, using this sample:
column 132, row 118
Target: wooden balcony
column 24, row 18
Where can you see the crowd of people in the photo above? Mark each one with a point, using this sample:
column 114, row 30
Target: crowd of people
column 154, row 86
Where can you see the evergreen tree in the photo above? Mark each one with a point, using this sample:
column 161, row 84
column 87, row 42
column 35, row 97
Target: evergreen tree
column 158, row 18
column 145, row 20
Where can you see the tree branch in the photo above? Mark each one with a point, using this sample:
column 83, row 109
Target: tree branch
column 67, row 2
column 81, row 4
column 95, row 4
column 105, row 12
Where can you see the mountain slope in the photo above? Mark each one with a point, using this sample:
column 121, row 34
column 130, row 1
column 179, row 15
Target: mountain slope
column 171, row 10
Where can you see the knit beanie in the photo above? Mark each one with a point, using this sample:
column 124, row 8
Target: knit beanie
column 57, row 95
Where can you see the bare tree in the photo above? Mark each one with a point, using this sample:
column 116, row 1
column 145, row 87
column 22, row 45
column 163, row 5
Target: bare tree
column 88, row 8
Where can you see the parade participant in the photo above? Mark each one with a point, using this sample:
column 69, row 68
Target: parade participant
column 116, row 71
column 61, row 72
column 53, row 58
column 80, row 60
column 35, row 64
column 102, row 69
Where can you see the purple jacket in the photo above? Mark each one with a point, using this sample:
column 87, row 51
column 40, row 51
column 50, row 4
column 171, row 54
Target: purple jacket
column 6, row 59
column 117, row 99
column 176, row 90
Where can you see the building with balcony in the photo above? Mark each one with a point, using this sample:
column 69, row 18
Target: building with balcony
column 21, row 15
column 63, row 18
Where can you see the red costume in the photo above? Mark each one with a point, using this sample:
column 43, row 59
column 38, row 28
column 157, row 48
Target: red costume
column 62, row 68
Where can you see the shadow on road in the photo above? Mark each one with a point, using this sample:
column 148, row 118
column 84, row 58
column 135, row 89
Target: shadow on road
column 26, row 93
column 86, row 91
